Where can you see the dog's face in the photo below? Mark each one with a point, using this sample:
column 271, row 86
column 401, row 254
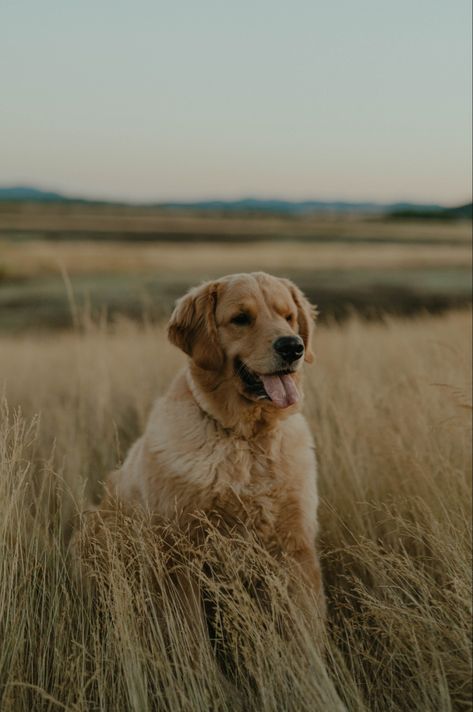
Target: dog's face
column 254, row 329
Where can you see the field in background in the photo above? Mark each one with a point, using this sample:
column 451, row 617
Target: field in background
column 136, row 260
column 390, row 407
column 76, row 221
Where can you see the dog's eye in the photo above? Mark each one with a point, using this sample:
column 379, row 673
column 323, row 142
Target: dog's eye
column 241, row 319
column 289, row 317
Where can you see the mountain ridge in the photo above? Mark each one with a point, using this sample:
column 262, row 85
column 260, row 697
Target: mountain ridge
column 25, row 193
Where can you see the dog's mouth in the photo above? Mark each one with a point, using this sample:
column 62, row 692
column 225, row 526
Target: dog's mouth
column 278, row 387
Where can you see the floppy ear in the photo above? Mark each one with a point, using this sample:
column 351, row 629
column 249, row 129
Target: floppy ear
column 192, row 327
column 306, row 316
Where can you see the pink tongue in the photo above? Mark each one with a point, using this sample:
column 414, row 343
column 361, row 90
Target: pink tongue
column 281, row 389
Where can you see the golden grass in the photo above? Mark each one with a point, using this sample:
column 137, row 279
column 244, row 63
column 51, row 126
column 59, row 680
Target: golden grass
column 136, row 220
column 36, row 258
column 390, row 408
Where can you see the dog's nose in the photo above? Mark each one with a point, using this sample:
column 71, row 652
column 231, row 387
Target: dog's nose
column 290, row 348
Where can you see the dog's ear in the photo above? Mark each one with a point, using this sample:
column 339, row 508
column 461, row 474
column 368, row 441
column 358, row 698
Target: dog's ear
column 306, row 316
column 193, row 329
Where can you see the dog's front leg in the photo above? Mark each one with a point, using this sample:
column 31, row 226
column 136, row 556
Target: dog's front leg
column 308, row 584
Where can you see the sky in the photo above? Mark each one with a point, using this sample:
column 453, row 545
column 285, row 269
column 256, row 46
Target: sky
column 319, row 99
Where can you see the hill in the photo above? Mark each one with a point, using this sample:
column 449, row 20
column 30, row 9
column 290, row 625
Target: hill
column 18, row 192
column 460, row 212
column 243, row 205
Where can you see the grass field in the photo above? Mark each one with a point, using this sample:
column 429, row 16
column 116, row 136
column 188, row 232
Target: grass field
column 65, row 222
column 25, row 260
column 124, row 260
column 389, row 403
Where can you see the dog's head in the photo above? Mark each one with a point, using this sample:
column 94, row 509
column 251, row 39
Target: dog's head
column 252, row 329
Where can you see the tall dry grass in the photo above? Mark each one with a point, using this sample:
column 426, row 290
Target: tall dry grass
column 36, row 258
column 390, row 409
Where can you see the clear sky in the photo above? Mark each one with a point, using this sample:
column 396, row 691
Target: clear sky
column 349, row 99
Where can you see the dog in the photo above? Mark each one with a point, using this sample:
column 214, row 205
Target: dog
column 228, row 437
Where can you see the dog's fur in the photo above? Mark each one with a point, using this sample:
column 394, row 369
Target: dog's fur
column 212, row 445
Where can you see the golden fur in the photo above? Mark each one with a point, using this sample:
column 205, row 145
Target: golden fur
column 212, row 446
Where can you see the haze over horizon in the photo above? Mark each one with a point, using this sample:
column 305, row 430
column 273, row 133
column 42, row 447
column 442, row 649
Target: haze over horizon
column 44, row 193
column 151, row 102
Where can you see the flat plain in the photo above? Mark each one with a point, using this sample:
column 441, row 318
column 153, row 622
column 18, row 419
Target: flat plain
column 136, row 261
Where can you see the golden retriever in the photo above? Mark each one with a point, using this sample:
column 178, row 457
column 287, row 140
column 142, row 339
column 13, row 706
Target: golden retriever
column 228, row 436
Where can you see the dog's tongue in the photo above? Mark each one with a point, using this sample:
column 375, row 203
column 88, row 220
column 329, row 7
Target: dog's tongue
column 281, row 389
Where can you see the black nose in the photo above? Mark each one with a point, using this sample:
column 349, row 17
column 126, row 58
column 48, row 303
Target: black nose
column 290, row 348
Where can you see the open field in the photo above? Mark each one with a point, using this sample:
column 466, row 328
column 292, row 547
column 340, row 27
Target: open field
column 389, row 403
column 62, row 221
column 51, row 302
column 26, row 260
column 123, row 260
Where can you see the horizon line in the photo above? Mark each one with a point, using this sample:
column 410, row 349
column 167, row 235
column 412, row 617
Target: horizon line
column 241, row 197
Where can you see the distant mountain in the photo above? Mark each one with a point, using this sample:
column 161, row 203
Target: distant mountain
column 460, row 212
column 253, row 205
column 19, row 192
column 289, row 207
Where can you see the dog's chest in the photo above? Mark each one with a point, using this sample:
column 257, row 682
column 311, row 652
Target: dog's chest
column 247, row 484
column 254, row 482
column 220, row 462
column 211, row 466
